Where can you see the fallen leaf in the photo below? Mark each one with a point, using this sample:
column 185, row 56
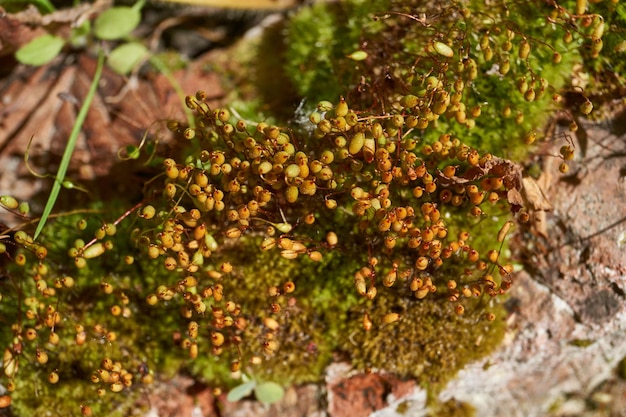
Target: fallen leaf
column 533, row 195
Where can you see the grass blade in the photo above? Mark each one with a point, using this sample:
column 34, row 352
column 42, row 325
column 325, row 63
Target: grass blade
column 71, row 144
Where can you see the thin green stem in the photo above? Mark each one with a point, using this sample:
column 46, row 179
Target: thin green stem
column 71, row 144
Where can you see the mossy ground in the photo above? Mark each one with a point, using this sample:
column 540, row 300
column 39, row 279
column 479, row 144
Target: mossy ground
column 429, row 342
column 85, row 306
column 196, row 267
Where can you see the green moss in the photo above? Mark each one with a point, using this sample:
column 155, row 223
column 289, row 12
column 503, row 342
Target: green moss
column 309, row 318
column 394, row 286
column 403, row 407
column 621, row 368
column 452, row 408
column 429, row 342
column 34, row 396
column 183, row 256
column 320, row 37
column 606, row 68
column 136, row 346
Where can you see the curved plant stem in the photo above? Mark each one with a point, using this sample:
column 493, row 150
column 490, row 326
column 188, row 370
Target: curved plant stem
column 71, row 144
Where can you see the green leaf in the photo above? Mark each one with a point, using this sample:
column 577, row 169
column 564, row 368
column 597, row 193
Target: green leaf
column 40, row 50
column 116, row 23
column 126, row 57
column 269, row 392
column 241, row 391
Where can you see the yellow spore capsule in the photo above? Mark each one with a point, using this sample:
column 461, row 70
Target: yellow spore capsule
column 9, row 202
column 459, row 309
column 443, row 49
column 5, row 401
column 356, row 143
column 93, row 251
column 524, row 49
column 367, row 322
column 341, row 110
column 391, row 318
column 42, row 356
column 217, row 339
column 53, row 378
column 504, row 231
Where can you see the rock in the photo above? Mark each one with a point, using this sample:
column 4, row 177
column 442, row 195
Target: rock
column 381, row 394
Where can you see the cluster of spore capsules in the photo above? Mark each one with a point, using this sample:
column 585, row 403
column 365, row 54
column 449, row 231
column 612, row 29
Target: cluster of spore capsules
column 359, row 185
column 377, row 188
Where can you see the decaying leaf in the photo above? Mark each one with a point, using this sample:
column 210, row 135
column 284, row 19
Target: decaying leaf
column 533, row 196
column 509, row 171
column 43, row 102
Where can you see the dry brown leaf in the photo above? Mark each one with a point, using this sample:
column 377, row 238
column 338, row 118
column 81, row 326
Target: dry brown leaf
column 509, row 171
column 533, row 195
column 74, row 16
column 42, row 104
column 14, row 33
column 514, row 197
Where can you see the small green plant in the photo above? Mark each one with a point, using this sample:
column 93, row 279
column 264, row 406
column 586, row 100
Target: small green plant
column 266, row 392
column 113, row 24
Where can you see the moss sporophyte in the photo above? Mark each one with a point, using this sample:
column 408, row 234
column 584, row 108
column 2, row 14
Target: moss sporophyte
column 387, row 251
column 375, row 226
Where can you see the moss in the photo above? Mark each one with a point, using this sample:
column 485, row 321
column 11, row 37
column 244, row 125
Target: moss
column 273, row 96
column 606, row 68
column 320, row 38
column 496, row 132
column 429, row 342
column 621, row 368
column 34, row 396
column 136, row 346
column 192, row 261
column 452, row 408
column 309, row 318
column 403, row 407
column 366, row 209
